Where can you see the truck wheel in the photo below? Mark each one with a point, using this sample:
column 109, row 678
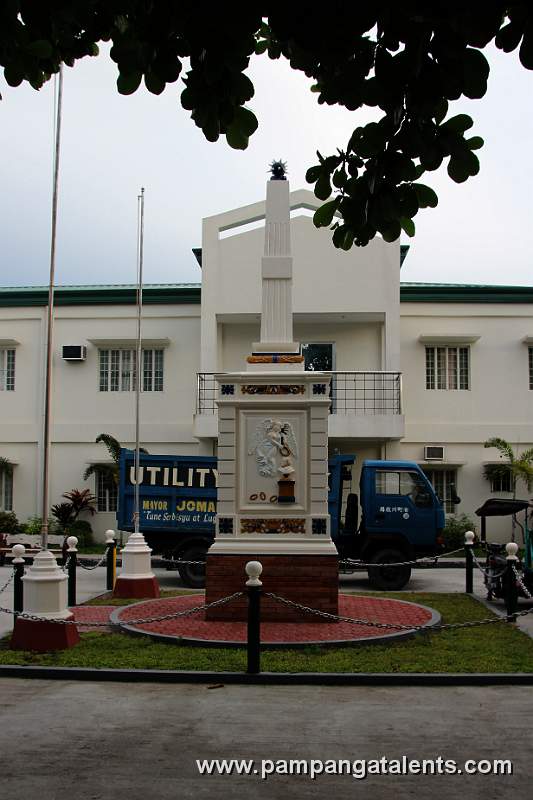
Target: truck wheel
column 389, row 578
column 193, row 575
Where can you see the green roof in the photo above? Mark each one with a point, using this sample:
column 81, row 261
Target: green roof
column 112, row 294
column 178, row 293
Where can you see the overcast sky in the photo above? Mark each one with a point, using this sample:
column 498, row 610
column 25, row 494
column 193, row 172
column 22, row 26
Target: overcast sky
column 481, row 231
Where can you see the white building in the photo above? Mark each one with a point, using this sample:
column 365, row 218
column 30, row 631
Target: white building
column 416, row 365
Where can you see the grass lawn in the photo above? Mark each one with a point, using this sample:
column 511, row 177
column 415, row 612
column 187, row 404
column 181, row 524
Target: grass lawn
column 108, row 599
column 491, row 648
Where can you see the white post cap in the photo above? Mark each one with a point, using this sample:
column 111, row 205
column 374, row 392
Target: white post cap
column 109, row 536
column 469, row 537
column 253, row 570
column 511, row 548
column 17, row 551
column 72, row 541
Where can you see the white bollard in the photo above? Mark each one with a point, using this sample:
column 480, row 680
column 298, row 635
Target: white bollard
column 45, row 596
column 511, row 548
column 136, row 578
column 254, row 570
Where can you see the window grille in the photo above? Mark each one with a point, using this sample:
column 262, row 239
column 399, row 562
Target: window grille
column 106, row 491
column 117, row 370
column 443, row 481
column 447, row 368
column 6, row 491
column 7, row 370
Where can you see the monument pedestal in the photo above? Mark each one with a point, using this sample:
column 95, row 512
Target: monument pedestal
column 311, row 580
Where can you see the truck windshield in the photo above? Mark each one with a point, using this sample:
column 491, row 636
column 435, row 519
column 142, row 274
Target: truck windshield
column 406, row 484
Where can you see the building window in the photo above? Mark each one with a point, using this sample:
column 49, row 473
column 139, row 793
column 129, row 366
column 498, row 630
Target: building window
column 444, row 482
column 501, row 482
column 530, row 353
column 106, row 491
column 318, row 356
column 6, row 491
column 7, row 370
column 447, row 367
column 117, row 370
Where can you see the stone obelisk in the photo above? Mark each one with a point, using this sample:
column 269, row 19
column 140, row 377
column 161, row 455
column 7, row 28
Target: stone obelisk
column 273, row 454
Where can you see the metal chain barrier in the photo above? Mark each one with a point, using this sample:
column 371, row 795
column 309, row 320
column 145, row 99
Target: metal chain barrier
column 426, row 559
column 188, row 612
column 520, row 582
column 398, row 626
column 6, row 584
column 94, row 566
column 486, row 572
column 65, row 565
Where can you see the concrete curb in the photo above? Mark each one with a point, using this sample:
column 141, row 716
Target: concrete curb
column 271, row 678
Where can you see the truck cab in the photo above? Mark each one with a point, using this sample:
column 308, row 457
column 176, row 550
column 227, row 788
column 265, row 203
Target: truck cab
column 397, row 517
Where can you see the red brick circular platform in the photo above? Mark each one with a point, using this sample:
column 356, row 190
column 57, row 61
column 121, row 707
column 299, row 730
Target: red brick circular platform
column 195, row 629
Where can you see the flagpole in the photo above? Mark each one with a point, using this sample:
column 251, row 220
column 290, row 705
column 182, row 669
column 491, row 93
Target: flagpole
column 139, row 370
column 50, row 321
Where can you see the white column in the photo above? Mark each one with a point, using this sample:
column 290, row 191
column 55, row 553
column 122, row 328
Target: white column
column 276, row 273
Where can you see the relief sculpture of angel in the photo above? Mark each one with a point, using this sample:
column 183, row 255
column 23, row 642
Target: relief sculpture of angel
column 272, row 440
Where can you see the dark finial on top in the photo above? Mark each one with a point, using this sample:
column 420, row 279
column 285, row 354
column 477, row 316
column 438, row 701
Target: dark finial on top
column 278, row 169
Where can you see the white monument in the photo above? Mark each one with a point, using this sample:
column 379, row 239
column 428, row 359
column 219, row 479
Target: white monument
column 273, row 453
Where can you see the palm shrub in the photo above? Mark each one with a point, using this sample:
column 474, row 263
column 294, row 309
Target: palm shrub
column 113, row 447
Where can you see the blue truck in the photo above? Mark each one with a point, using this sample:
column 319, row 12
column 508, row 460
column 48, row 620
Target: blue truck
column 396, row 517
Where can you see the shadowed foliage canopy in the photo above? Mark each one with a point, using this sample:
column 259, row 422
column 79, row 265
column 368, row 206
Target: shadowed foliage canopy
column 407, row 59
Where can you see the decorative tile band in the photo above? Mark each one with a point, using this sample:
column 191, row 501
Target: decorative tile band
column 225, row 525
column 275, row 359
column 272, row 525
column 227, row 388
column 272, row 388
column 319, row 388
column 319, row 526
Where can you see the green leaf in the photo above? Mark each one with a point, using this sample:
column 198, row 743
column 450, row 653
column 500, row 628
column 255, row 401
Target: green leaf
column 526, row 48
column 408, row 225
column 13, row 75
column 459, row 124
column 391, row 232
column 40, row 48
column 426, row 196
column 243, row 125
column 245, row 120
column 462, row 165
column 129, row 82
column 261, row 47
column 323, row 216
column 312, row 174
column 154, row 83
column 323, row 186
column 236, row 139
column 476, row 71
column 475, row 143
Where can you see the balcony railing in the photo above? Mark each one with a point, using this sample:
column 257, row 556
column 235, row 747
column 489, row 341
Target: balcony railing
column 352, row 393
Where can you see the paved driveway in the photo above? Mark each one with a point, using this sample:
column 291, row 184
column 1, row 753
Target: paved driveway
column 87, row 741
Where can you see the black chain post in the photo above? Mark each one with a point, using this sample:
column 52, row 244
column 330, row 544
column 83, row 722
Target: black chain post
column 72, row 555
column 255, row 589
column 469, row 558
column 111, row 560
column 509, row 582
column 19, row 565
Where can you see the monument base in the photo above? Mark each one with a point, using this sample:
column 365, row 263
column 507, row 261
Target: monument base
column 312, row 580
column 43, row 636
column 136, row 587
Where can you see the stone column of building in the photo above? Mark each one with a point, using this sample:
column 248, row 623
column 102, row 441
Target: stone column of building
column 273, row 456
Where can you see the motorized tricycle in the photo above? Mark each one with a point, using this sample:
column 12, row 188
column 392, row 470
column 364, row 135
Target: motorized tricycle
column 496, row 559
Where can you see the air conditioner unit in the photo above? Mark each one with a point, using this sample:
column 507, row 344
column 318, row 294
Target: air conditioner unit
column 434, row 452
column 74, row 352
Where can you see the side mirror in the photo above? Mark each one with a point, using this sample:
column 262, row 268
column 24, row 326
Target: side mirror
column 423, row 500
column 454, row 496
